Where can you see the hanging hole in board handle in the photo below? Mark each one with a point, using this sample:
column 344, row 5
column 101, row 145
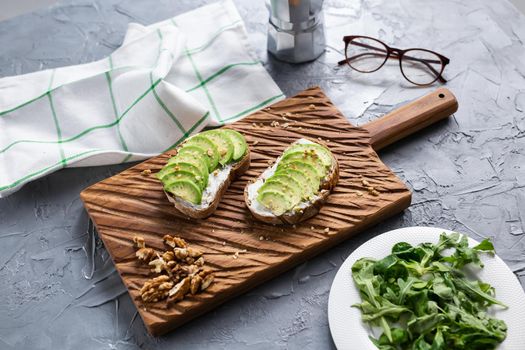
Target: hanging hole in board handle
column 441, row 95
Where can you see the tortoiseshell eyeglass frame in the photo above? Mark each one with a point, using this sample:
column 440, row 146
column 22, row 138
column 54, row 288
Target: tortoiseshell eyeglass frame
column 395, row 53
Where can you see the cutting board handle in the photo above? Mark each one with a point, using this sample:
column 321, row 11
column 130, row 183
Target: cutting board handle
column 412, row 117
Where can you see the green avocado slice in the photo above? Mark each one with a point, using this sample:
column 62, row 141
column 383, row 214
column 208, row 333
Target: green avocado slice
column 285, row 184
column 324, row 153
column 306, row 157
column 304, row 173
column 223, row 144
column 186, row 190
column 183, row 175
column 307, row 191
column 239, row 143
column 209, row 147
column 199, row 162
column 277, row 202
column 196, row 152
column 186, row 167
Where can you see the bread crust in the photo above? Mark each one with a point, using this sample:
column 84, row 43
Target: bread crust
column 293, row 217
column 238, row 168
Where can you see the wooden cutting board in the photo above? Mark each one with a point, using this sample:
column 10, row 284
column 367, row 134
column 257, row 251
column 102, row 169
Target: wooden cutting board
column 130, row 203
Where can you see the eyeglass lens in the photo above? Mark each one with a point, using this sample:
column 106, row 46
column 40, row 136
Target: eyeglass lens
column 365, row 55
column 421, row 67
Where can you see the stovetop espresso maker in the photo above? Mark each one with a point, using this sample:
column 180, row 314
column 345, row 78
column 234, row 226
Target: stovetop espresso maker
column 296, row 30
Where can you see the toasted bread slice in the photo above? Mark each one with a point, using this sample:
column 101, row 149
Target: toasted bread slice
column 205, row 192
column 305, row 209
column 208, row 207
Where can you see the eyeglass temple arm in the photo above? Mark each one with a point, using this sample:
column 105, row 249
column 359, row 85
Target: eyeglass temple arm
column 396, row 56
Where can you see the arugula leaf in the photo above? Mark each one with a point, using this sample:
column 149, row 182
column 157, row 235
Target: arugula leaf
column 404, row 288
column 405, row 251
column 485, row 245
column 423, row 301
column 439, row 341
column 474, row 290
column 424, row 324
column 441, row 289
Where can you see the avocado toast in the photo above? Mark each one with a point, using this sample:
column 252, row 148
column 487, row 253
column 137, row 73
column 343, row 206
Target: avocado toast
column 196, row 178
column 296, row 186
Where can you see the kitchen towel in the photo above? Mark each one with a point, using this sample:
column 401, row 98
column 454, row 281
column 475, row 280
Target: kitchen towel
column 167, row 81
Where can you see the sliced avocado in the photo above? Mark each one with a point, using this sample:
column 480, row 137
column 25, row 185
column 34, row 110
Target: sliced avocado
column 277, row 202
column 223, row 143
column 324, row 153
column 239, row 143
column 306, row 157
column 209, row 147
column 183, row 175
column 306, row 169
column 182, row 166
column 186, row 190
column 196, row 152
column 199, row 162
column 285, row 184
column 307, row 190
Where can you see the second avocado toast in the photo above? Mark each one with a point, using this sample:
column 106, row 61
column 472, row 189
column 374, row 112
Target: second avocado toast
column 296, row 186
column 196, row 178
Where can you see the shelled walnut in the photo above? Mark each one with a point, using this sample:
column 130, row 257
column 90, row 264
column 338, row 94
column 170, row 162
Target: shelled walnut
column 181, row 270
column 194, row 253
column 156, row 288
column 206, row 281
column 181, row 253
column 190, row 269
column 168, row 256
column 174, row 241
column 179, row 290
column 199, row 261
column 139, row 242
column 195, row 284
column 145, row 254
column 159, row 265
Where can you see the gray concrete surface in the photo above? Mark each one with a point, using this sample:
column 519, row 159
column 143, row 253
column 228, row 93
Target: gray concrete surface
column 9, row 8
column 466, row 173
column 520, row 5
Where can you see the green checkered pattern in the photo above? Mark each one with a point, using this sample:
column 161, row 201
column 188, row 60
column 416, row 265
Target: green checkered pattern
column 200, row 88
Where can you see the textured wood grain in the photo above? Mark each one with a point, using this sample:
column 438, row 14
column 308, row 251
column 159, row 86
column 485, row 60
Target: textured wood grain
column 131, row 204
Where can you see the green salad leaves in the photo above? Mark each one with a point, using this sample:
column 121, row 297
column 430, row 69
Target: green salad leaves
column 422, row 300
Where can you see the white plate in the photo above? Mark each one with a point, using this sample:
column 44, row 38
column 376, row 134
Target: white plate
column 349, row 332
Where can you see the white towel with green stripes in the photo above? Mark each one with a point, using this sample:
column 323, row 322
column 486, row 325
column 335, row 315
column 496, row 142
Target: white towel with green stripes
column 165, row 82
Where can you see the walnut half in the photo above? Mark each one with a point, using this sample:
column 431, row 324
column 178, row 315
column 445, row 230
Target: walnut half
column 174, row 242
column 145, row 254
column 168, row 256
column 181, row 253
column 179, row 290
column 207, row 280
column 195, row 284
column 156, row 289
column 194, row 253
column 159, row 265
column 139, row 242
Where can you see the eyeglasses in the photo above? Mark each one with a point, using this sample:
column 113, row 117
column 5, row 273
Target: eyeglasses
column 418, row 66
